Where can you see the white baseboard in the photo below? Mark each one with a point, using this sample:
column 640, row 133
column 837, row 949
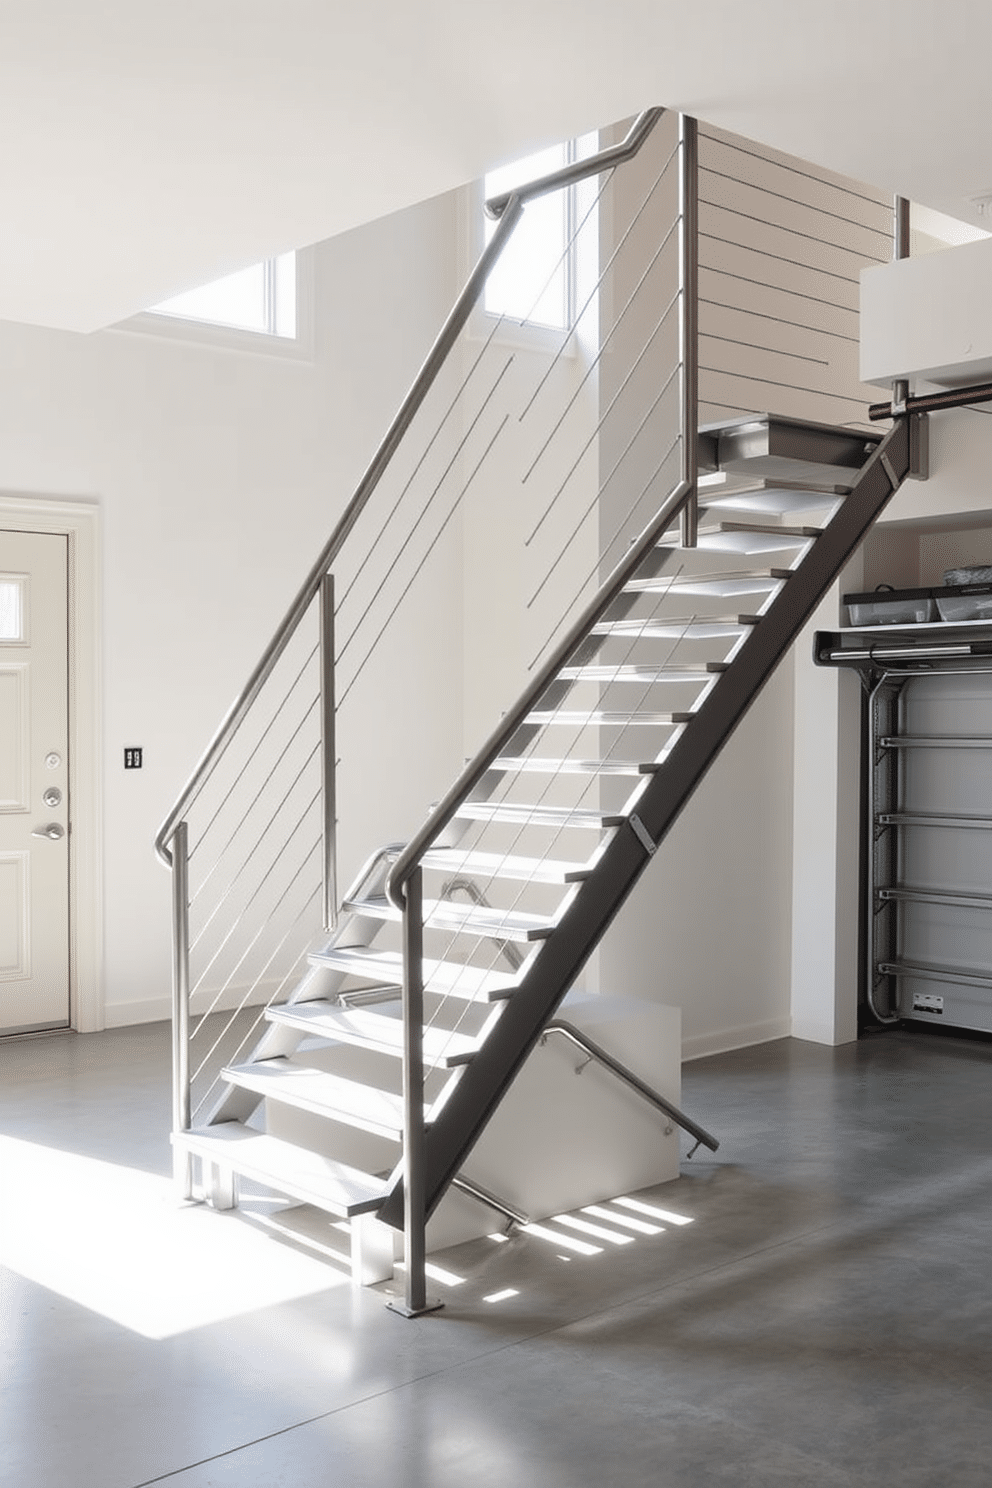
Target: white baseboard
column 728, row 1039
column 159, row 1009
column 148, row 1010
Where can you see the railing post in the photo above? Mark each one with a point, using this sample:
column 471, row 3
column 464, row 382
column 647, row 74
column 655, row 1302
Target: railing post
column 414, row 1177
column 900, row 249
column 328, row 755
column 181, row 1102
column 689, row 319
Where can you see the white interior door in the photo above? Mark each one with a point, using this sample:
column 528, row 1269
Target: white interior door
column 34, row 782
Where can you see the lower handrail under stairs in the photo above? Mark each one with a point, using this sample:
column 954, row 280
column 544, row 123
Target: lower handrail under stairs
column 599, row 1054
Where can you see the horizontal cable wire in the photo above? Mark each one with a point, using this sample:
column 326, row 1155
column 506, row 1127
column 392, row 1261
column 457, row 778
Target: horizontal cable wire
column 771, row 382
column 247, row 952
column 437, row 537
column 204, row 830
column 778, row 319
column 219, row 857
column 273, row 818
column 794, row 232
column 590, row 299
column 456, row 399
column 596, row 498
column 795, row 170
column 449, row 467
column 603, row 346
column 754, row 346
column 778, row 257
column 798, row 294
column 258, row 889
column 598, row 428
column 593, row 571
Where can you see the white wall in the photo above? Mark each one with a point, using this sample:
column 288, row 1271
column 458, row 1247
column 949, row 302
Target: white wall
column 218, row 475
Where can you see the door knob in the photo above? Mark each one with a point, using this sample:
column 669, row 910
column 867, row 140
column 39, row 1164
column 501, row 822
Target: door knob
column 53, row 830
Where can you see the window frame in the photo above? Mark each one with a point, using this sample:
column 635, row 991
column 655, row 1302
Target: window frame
column 525, row 334
column 209, row 333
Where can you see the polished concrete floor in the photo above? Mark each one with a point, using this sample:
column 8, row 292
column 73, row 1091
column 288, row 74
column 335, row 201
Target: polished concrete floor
column 825, row 1319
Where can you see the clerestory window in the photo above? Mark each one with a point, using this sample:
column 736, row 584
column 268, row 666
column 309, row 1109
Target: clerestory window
column 260, row 299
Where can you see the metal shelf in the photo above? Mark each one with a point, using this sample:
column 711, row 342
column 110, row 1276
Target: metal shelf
column 962, row 978
column 937, row 741
column 955, row 897
column 932, row 819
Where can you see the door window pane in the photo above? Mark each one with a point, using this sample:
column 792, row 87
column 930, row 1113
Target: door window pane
column 11, row 609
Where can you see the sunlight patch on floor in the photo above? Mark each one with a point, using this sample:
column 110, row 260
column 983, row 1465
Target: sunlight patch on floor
column 117, row 1241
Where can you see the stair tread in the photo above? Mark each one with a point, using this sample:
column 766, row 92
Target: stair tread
column 510, row 865
column 444, row 914
column 540, row 816
column 287, row 1168
column 542, row 764
column 678, row 630
column 608, row 718
column 322, row 1093
column 702, row 672
column 379, row 1031
column 723, row 585
column 753, row 537
column 471, row 983
column 773, row 497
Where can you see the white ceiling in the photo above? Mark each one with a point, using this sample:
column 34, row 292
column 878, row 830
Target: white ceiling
column 148, row 147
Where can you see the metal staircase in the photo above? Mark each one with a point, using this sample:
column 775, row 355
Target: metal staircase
column 413, row 1012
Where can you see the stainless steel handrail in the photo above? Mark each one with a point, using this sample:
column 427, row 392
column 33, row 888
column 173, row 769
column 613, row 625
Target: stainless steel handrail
column 578, row 170
column 510, row 209
column 599, row 1054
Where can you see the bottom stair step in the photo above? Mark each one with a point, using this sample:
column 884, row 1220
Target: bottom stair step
column 291, row 1170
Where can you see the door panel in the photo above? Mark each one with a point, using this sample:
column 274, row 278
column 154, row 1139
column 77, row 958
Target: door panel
column 34, row 835
column 14, row 736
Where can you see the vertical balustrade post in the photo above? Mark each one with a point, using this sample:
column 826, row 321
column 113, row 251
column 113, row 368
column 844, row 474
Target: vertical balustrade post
column 900, row 249
column 689, row 319
column 328, row 755
column 415, row 1300
column 181, row 1102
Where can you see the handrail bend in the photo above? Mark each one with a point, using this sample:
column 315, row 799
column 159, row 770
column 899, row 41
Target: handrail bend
column 577, row 170
column 510, row 208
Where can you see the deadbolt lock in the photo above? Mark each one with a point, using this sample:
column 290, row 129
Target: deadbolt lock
column 52, row 796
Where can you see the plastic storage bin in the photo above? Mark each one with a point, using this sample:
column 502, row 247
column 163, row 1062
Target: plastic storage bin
column 965, row 602
column 892, row 607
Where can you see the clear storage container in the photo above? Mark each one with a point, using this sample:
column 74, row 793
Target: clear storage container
column 891, row 607
column 965, row 602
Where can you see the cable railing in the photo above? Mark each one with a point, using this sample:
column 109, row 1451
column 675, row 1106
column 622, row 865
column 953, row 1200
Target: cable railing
column 591, row 451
